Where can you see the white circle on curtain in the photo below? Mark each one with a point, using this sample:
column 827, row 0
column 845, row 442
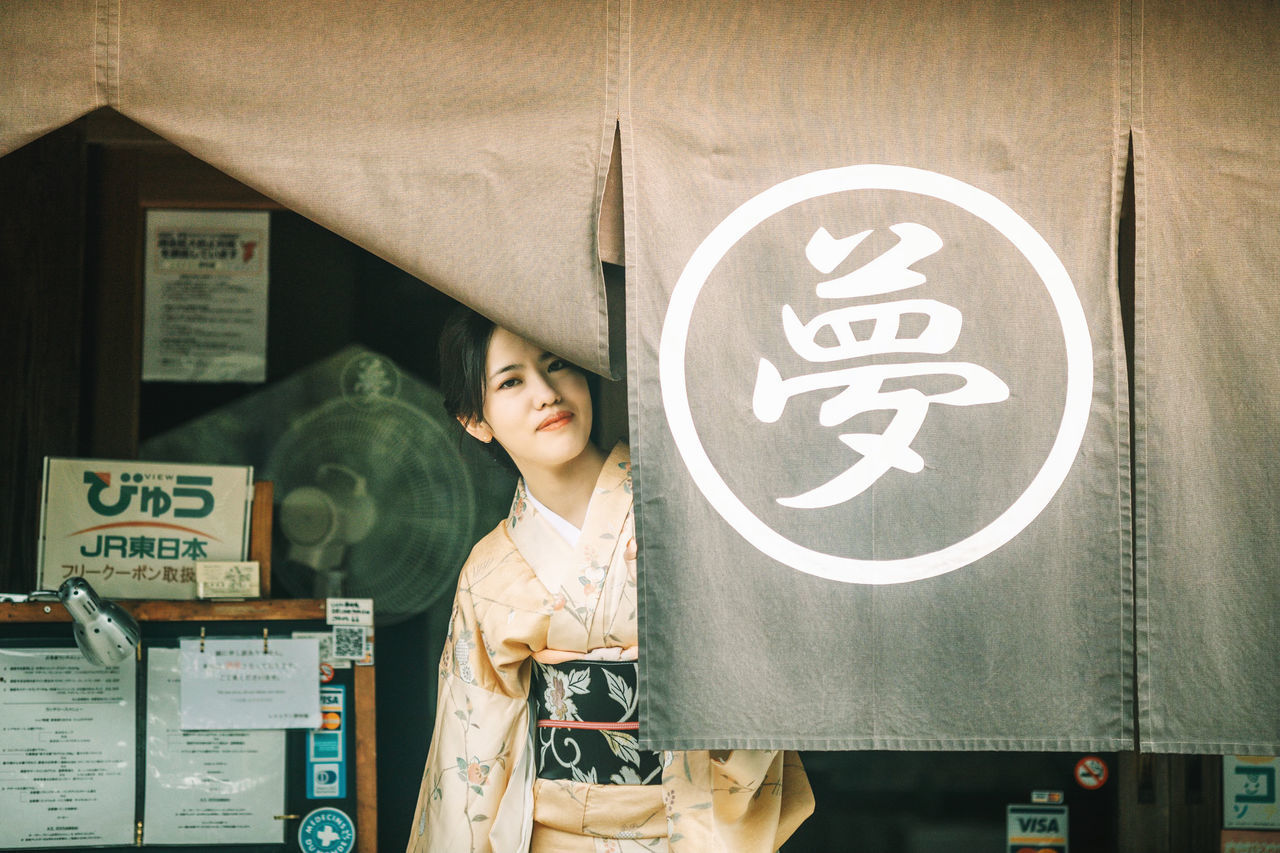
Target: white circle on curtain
column 1032, row 500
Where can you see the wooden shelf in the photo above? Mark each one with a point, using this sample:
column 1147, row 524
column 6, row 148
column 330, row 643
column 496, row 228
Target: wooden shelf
column 258, row 610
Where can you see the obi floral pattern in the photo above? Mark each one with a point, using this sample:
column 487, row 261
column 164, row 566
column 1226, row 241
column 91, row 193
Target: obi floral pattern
column 586, row 718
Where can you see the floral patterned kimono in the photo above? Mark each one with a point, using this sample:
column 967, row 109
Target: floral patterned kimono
column 526, row 598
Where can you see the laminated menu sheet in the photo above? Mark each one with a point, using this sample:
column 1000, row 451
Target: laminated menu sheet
column 68, row 750
column 203, row 783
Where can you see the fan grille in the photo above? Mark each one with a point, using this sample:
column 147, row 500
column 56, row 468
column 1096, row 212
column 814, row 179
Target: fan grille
column 423, row 494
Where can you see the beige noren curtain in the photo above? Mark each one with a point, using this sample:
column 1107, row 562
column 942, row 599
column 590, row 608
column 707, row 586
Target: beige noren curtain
column 466, row 141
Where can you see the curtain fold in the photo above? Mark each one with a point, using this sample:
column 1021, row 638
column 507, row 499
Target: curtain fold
column 1207, row 156
column 877, row 377
column 466, row 141
column 53, row 66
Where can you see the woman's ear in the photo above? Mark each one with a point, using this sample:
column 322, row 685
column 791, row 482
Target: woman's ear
column 477, row 429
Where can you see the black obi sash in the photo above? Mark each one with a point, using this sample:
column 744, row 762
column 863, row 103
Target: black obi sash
column 586, row 717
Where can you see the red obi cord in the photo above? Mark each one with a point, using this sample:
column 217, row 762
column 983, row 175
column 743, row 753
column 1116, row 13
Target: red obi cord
column 583, row 724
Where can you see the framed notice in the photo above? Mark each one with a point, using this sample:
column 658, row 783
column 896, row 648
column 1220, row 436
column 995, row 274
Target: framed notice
column 206, row 277
column 136, row 529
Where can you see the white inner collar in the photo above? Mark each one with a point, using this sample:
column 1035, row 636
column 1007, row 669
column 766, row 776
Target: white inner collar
column 558, row 523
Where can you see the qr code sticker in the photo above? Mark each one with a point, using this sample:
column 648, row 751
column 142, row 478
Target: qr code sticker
column 324, row 643
column 348, row 642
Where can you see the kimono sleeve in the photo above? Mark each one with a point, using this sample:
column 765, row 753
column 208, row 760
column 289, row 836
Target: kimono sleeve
column 734, row 801
column 477, row 787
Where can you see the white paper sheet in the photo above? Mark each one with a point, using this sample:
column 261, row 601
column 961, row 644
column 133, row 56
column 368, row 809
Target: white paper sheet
column 236, row 684
column 227, row 785
column 68, row 750
column 206, row 296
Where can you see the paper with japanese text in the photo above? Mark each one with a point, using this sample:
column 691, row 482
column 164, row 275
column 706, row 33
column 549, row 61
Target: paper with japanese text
column 206, row 296
column 228, row 783
column 239, row 684
column 67, row 750
column 136, row 529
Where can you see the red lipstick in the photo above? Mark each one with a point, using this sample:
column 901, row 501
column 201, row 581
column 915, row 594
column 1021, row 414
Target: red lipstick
column 555, row 420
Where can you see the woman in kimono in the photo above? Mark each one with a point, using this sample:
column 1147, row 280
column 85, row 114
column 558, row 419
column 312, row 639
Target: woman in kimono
column 534, row 746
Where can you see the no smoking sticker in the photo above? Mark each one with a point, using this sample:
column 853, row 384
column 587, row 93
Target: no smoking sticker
column 1091, row 772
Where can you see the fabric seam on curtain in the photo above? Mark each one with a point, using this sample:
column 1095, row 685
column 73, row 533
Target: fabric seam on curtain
column 1122, row 96
column 630, row 255
column 899, row 744
column 1214, row 747
column 608, row 127
column 106, row 52
column 1142, row 581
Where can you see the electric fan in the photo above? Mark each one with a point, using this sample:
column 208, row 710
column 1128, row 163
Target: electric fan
column 376, row 494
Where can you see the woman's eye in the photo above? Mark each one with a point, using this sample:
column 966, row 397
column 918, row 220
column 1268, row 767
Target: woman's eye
column 510, row 383
column 557, row 364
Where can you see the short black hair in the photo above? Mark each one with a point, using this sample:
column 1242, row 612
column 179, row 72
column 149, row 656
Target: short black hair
column 464, row 349
column 464, row 352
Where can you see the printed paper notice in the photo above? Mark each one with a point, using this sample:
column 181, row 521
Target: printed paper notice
column 237, row 684
column 68, row 747
column 206, row 296
column 227, row 785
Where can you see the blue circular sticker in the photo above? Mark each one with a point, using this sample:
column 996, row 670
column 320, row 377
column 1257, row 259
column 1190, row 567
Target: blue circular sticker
column 327, row 830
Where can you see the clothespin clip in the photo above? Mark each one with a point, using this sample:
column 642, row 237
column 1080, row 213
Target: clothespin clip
column 201, row 639
column 265, row 650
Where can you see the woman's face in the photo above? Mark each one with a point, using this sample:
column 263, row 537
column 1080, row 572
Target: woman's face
column 536, row 404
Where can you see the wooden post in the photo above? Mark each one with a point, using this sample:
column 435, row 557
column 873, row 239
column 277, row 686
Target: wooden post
column 367, row 766
column 260, row 533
